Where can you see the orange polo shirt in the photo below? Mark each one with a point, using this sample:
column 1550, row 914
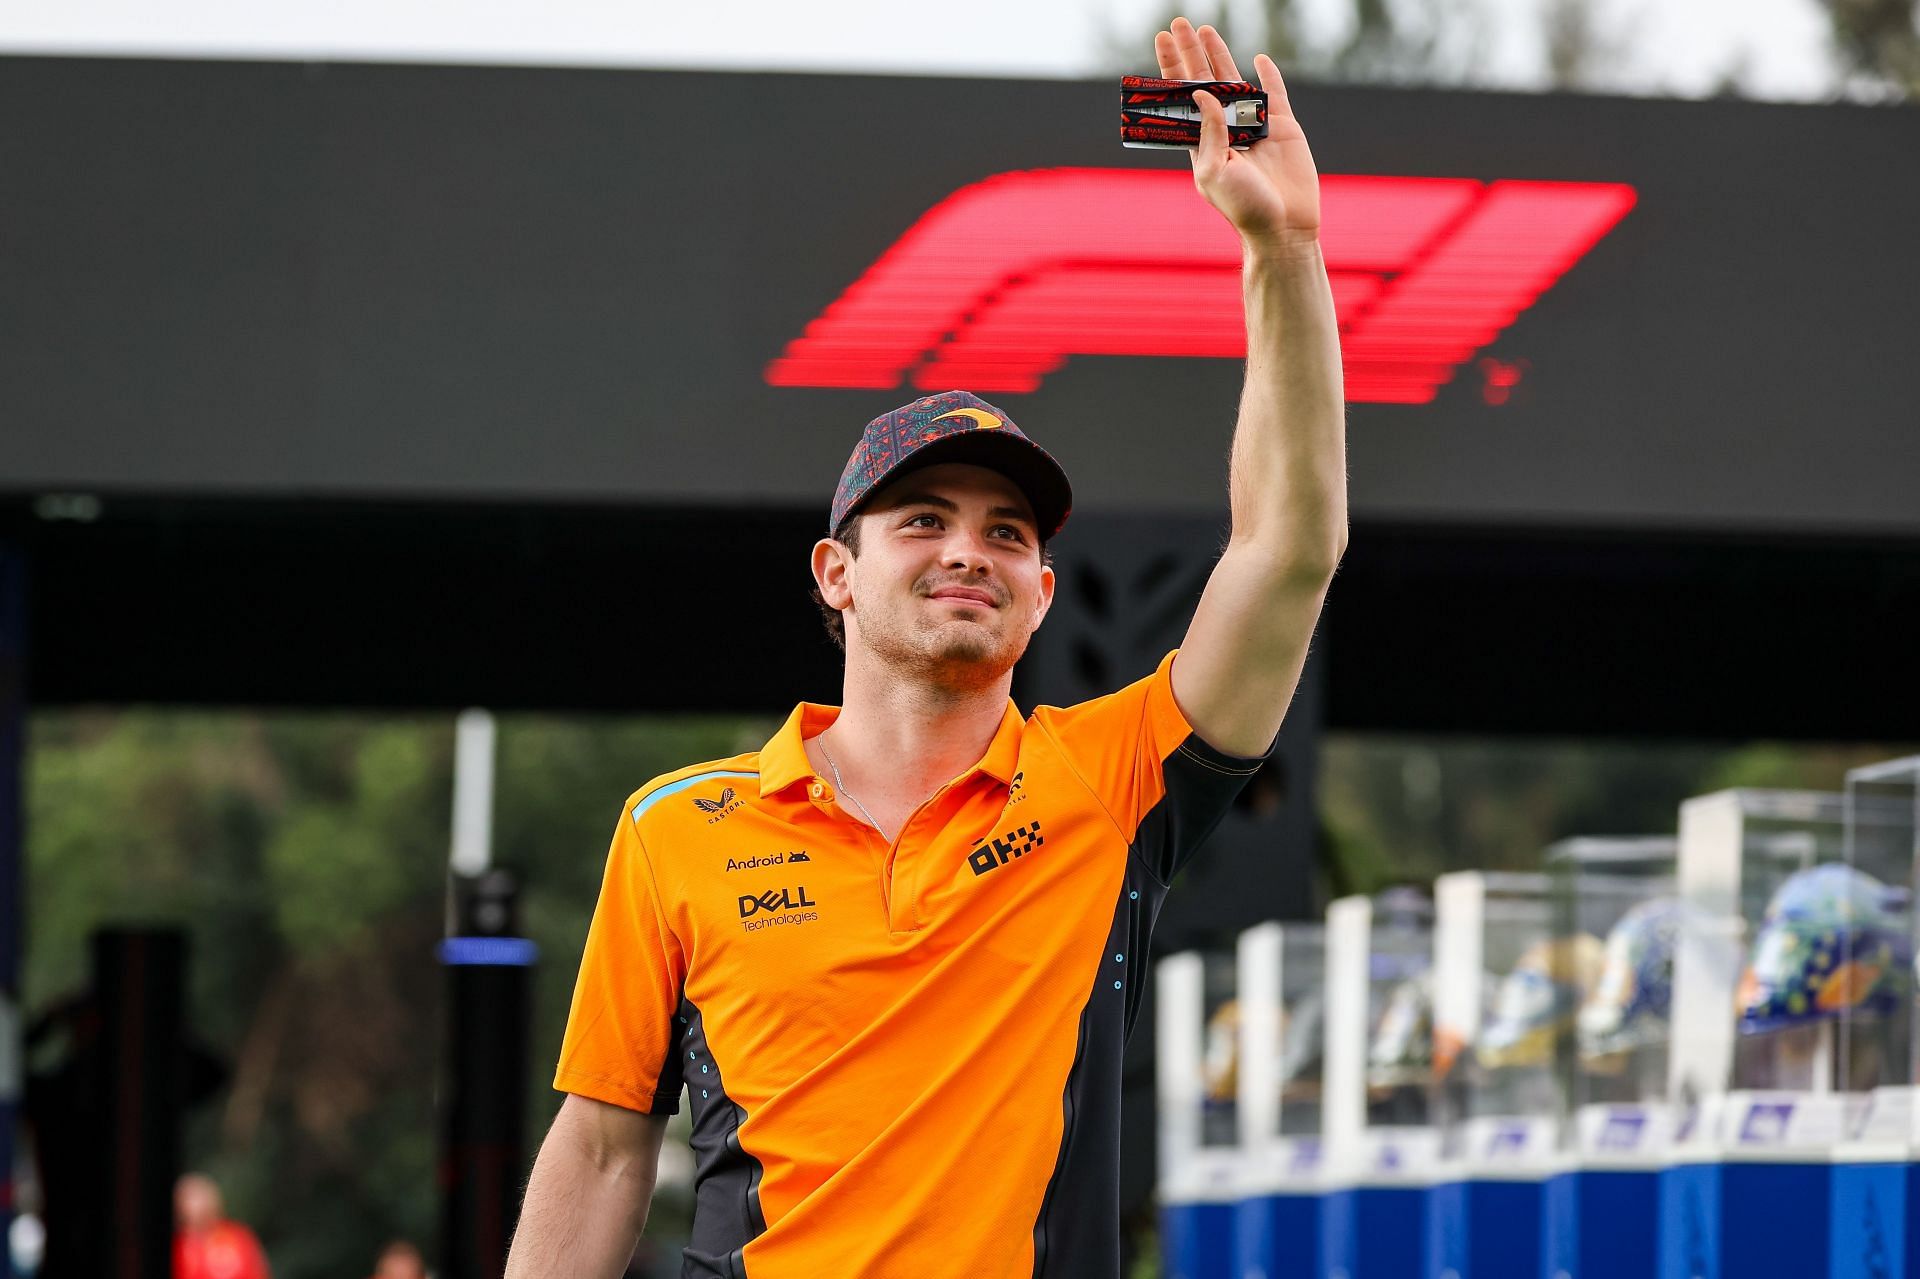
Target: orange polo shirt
column 902, row 1060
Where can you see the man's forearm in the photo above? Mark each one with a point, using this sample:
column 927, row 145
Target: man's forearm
column 586, row 1200
column 1288, row 484
column 1241, row 660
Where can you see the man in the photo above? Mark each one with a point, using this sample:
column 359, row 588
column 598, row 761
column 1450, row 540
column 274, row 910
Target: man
column 400, row 1260
column 893, row 955
column 206, row 1245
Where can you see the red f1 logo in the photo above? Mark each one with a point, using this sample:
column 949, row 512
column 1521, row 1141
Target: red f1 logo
column 998, row 284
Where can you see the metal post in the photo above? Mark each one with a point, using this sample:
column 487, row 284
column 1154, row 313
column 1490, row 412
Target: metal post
column 139, row 977
column 489, row 1025
column 473, row 748
column 489, row 1020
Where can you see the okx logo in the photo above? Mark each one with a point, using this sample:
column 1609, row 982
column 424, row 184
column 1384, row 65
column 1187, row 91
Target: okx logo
column 775, row 907
column 1001, row 849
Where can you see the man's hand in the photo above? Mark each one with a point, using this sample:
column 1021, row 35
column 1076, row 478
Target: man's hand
column 1270, row 191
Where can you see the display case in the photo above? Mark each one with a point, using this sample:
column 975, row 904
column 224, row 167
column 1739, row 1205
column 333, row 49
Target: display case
column 1509, row 984
column 1378, row 1142
column 1776, row 1030
column 1876, row 1194
column 1197, row 1064
column 1282, row 986
column 1612, row 1120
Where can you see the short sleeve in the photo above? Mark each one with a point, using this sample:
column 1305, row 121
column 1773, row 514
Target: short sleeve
column 1163, row 786
column 622, row 1045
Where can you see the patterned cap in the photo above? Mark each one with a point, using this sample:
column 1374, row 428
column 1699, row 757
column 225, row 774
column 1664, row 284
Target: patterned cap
column 952, row 426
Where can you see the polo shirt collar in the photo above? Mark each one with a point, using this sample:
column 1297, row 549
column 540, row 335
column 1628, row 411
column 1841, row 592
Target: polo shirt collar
column 1003, row 752
column 783, row 760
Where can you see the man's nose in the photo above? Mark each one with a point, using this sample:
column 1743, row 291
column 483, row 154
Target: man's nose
column 968, row 551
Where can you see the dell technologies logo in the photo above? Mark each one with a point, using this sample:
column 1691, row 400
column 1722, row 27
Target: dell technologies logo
column 778, row 906
column 773, row 900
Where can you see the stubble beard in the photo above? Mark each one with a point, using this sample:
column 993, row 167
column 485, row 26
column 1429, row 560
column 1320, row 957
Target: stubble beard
column 954, row 656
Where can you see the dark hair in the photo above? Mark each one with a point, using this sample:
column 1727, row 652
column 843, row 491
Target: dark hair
column 848, row 535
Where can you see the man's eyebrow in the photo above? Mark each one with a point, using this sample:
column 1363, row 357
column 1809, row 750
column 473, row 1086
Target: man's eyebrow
column 947, row 504
column 926, row 499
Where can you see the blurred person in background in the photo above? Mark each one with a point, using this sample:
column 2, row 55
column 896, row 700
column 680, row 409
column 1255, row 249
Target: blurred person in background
column 893, row 956
column 206, row 1245
column 68, row 1125
column 400, row 1260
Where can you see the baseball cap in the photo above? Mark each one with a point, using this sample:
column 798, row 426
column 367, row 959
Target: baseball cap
column 953, row 426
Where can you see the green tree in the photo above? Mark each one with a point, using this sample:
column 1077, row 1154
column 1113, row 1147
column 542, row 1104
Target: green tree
column 1396, row 42
column 1402, row 810
column 305, row 858
column 1879, row 43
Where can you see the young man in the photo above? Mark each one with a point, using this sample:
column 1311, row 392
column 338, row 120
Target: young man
column 893, row 956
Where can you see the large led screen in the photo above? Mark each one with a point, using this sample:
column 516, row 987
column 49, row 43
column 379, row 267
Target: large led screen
column 580, row 285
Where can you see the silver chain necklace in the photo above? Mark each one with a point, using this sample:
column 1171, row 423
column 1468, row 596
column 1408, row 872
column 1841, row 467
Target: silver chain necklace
column 841, row 787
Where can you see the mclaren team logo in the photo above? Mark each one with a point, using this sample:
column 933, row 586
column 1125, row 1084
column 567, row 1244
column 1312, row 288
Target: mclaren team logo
column 982, row 420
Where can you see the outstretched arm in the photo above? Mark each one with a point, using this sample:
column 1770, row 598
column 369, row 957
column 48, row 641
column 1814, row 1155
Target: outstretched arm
column 1245, row 648
column 589, row 1193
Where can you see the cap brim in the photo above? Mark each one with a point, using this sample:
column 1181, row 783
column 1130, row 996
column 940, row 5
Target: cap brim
column 1018, row 458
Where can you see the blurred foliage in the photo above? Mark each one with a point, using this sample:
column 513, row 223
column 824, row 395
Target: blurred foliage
column 1399, row 810
column 1392, row 42
column 1583, row 45
column 305, row 859
column 1879, row 44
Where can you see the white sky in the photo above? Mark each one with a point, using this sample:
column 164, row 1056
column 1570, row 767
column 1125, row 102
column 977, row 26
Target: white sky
column 1679, row 47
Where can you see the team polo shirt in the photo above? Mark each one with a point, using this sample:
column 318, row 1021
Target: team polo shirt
column 901, row 1060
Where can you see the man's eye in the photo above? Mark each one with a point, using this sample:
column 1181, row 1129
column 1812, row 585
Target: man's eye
column 931, row 521
column 1011, row 532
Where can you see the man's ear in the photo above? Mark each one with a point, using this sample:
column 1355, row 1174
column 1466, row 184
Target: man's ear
column 832, row 561
column 1047, row 581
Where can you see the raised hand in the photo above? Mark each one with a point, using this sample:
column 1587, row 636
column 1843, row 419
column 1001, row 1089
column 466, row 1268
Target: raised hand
column 1270, row 191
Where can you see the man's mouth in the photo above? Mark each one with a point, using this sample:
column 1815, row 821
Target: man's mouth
column 965, row 595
